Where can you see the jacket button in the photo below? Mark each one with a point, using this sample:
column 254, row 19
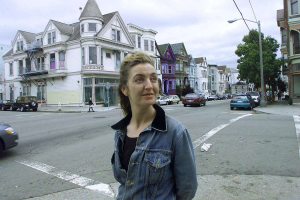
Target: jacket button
column 129, row 182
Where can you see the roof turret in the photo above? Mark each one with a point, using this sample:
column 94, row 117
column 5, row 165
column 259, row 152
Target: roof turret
column 91, row 10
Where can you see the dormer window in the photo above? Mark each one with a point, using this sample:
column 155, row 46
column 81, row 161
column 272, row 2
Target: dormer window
column 82, row 28
column 21, row 45
column 54, row 37
column 116, row 35
column 133, row 39
column 152, row 46
column 92, row 27
column 18, row 46
column 49, row 38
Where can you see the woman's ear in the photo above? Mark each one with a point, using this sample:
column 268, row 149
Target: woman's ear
column 124, row 91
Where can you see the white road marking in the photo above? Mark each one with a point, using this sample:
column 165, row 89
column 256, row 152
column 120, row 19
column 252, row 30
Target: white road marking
column 297, row 125
column 87, row 183
column 168, row 109
column 199, row 141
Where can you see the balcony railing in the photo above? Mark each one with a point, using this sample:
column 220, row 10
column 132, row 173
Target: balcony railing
column 34, row 44
column 93, row 67
column 296, row 47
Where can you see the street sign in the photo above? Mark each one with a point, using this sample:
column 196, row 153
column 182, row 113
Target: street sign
column 107, row 85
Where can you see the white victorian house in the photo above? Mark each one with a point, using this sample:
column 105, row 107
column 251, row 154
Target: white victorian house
column 192, row 73
column 69, row 63
column 201, row 74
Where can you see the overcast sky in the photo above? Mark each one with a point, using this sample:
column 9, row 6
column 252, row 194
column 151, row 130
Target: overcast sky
column 200, row 24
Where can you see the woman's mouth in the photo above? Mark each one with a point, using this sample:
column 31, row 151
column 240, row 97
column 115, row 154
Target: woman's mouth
column 148, row 94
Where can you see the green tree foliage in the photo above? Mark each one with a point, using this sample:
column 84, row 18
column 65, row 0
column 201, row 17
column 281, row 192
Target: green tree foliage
column 249, row 61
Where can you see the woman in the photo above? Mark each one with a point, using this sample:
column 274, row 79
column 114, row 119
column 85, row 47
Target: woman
column 153, row 156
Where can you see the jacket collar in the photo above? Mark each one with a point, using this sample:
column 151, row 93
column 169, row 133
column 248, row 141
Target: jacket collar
column 159, row 122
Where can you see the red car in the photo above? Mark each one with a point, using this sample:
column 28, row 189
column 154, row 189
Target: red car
column 194, row 99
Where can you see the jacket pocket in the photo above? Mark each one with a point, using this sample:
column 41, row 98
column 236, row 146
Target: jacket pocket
column 156, row 163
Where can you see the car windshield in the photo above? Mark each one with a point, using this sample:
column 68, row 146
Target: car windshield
column 253, row 93
column 191, row 95
column 31, row 98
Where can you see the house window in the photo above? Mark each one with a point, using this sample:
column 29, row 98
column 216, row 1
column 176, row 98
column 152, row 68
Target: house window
column 182, row 53
column 283, row 35
column 152, row 46
column 294, row 6
column 52, row 61
column 41, row 90
column 101, row 52
column 92, row 55
column 92, row 27
column 82, row 28
column 170, row 84
column 133, row 39
column 170, row 69
column 49, row 38
column 82, row 56
column 113, row 34
column 168, row 55
column 54, row 37
column 11, row 72
column 139, row 42
column 118, row 36
column 108, row 55
column 18, row 46
column 87, row 81
column 20, row 66
column 118, row 59
column 11, row 93
column 177, row 66
column 125, row 54
column 180, row 65
column 61, row 60
column 146, row 45
column 21, row 45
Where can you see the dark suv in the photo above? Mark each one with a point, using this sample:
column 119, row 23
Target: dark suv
column 25, row 103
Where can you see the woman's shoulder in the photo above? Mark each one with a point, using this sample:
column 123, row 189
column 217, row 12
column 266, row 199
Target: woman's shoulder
column 174, row 124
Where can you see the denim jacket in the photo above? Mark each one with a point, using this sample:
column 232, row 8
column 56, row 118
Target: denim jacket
column 162, row 167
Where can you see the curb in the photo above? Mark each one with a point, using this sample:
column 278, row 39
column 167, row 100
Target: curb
column 59, row 111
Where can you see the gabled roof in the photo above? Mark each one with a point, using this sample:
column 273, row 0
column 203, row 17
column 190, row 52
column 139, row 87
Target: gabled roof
column 91, row 10
column 199, row 60
column 222, row 68
column 162, row 48
column 63, row 28
column 176, row 48
column 76, row 33
column 8, row 53
column 29, row 37
column 107, row 18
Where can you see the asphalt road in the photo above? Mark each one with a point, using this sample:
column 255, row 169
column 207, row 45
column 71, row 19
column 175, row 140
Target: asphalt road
column 60, row 156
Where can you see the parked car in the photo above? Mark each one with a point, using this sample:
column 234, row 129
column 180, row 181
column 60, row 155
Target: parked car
column 242, row 101
column 25, row 103
column 255, row 96
column 194, row 99
column 212, row 97
column 227, row 96
column 162, row 100
column 221, row 97
column 173, row 99
column 8, row 137
column 5, row 104
column 205, row 94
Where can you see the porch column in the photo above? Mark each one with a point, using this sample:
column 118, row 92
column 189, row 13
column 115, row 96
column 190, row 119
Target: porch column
column 24, row 65
column 56, row 60
column 93, row 89
column 98, row 49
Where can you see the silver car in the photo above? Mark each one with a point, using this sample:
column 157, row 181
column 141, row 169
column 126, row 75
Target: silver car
column 8, row 137
column 173, row 99
column 162, row 100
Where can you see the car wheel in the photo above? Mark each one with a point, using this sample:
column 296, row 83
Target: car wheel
column 1, row 146
column 204, row 104
column 251, row 107
column 231, row 108
column 177, row 102
column 35, row 109
column 184, row 105
column 2, row 108
column 22, row 109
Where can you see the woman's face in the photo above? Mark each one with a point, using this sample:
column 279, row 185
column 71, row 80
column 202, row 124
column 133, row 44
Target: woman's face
column 142, row 85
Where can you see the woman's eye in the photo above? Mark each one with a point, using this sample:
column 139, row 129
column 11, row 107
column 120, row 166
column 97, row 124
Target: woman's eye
column 139, row 80
column 153, row 78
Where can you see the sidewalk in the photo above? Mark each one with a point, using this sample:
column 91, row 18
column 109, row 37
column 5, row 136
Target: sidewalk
column 280, row 108
column 74, row 109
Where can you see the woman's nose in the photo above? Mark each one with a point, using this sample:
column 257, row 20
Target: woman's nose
column 148, row 84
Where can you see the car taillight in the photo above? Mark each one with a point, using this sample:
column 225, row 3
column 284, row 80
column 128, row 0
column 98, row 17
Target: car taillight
column 232, row 101
column 196, row 99
column 183, row 100
column 247, row 101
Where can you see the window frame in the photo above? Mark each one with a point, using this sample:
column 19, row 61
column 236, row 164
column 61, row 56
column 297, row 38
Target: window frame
column 293, row 3
column 92, row 57
column 82, row 28
column 152, row 45
column 133, row 37
column 113, row 34
column 91, row 28
column 146, row 44
column 49, row 38
column 11, row 69
column 118, row 36
column 283, row 35
column 54, row 37
column 82, row 56
column 118, row 64
column 139, row 42
column 106, row 55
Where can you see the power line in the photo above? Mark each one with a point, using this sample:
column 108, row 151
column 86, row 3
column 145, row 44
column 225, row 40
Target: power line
column 241, row 15
column 252, row 10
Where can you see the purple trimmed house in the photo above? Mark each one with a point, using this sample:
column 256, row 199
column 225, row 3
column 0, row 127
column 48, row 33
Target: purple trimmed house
column 167, row 60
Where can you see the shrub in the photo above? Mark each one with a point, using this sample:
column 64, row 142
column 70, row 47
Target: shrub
column 290, row 101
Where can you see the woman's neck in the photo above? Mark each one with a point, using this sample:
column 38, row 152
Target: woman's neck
column 142, row 116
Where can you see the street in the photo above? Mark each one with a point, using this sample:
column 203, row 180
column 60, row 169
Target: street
column 67, row 155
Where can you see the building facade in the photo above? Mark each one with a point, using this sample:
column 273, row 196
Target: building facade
column 167, row 69
column 288, row 19
column 69, row 63
column 192, row 73
column 181, row 66
column 3, row 50
column 202, row 74
column 212, row 78
column 222, row 78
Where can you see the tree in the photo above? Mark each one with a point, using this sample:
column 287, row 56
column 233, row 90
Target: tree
column 249, row 61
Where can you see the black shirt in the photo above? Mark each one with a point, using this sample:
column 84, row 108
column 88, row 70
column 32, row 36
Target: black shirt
column 129, row 147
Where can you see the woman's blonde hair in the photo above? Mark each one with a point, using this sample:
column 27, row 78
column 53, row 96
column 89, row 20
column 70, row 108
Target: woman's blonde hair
column 128, row 62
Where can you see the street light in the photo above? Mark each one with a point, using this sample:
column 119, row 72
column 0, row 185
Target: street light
column 262, row 101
